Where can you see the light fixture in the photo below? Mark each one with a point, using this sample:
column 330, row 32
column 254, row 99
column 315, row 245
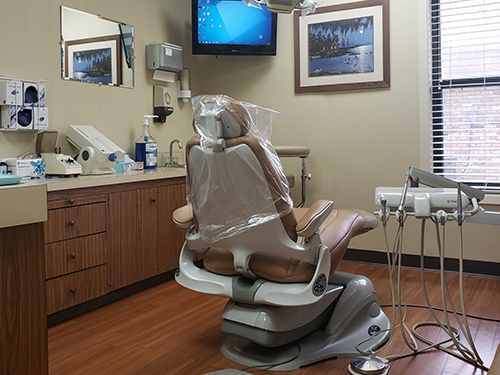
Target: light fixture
column 284, row 6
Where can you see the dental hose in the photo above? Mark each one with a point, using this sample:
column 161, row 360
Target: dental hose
column 392, row 258
column 470, row 356
column 374, row 362
column 465, row 354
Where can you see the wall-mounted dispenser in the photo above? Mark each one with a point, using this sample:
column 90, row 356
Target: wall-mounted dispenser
column 162, row 103
column 165, row 59
column 183, row 86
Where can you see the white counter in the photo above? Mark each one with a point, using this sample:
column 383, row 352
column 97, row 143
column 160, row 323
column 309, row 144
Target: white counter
column 22, row 204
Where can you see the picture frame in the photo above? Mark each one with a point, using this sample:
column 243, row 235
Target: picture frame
column 94, row 60
column 343, row 47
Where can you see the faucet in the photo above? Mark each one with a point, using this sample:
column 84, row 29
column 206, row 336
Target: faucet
column 171, row 160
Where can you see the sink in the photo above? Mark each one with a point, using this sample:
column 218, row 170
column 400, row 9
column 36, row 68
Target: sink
column 175, row 165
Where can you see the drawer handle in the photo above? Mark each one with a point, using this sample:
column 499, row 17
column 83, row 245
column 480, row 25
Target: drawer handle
column 73, row 255
column 73, row 290
column 71, row 223
column 71, row 200
column 153, row 200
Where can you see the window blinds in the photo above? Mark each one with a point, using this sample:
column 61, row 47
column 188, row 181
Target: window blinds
column 464, row 41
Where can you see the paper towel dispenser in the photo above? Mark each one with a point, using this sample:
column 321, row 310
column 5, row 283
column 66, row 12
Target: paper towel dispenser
column 164, row 56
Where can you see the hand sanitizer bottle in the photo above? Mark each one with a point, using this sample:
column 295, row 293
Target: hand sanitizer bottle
column 146, row 148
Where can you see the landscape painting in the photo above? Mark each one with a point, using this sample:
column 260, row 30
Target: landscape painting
column 93, row 66
column 93, row 60
column 342, row 47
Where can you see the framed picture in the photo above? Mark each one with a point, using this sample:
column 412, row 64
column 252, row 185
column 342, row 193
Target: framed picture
column 343, row 47
column 94, row 60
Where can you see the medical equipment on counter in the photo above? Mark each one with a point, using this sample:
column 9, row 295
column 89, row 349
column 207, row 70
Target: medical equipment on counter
column 278, row 317
column 56, row 163
column 442, row 201
column 98, row 154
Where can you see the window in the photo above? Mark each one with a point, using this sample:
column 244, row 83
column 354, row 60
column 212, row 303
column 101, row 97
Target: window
column 465, row 91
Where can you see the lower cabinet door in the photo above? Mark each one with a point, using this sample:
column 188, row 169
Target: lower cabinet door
column 75, row 288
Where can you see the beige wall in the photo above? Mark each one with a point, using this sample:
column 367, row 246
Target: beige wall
column 34, row 53
column 359, row 139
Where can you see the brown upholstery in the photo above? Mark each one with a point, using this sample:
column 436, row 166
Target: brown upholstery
column 335, row 232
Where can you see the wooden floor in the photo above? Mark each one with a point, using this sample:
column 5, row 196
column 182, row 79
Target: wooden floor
column 170, row 330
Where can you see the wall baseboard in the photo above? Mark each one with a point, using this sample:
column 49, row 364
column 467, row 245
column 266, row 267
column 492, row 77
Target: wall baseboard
column 432, row 263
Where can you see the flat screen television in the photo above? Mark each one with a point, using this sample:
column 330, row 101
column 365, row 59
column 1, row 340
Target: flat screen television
column 230, row 27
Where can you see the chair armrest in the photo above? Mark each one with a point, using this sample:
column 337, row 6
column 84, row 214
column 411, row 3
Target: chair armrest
column 313, row 218
column 292, row 151
column 183, row 216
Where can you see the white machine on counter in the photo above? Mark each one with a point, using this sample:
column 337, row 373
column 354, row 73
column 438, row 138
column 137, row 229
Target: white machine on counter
column 56, row 163
column 98, row 154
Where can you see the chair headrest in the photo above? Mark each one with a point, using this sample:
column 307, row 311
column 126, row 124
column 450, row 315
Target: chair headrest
column 219, row 116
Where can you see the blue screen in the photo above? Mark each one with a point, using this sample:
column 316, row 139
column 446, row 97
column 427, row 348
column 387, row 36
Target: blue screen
column 233, row 22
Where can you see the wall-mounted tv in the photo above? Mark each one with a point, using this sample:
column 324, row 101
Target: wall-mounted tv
column 230, row 27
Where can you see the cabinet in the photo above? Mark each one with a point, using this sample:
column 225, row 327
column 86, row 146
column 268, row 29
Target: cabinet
column 104, row 238
column 75, row 250
column 170, row 237
column 132, row 236
column 23, row 321
column 143, row 241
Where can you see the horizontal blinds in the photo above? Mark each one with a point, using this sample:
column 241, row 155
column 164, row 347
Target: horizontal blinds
column 464, row 40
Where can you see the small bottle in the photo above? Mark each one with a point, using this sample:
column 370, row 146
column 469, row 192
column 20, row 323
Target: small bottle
column 3, row 167
column 146, row 148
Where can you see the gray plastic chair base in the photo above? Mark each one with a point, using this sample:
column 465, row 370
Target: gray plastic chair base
column 356, row 317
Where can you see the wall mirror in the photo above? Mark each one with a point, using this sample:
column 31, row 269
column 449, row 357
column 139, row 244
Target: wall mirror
column 96, row 49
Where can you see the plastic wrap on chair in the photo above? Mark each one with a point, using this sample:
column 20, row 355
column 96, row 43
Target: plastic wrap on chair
column 236, row 180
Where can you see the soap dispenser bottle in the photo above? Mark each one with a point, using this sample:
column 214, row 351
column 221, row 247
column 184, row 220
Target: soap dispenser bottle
column 146, row 147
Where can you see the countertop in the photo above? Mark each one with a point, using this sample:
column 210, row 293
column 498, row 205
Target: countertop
column 66, row 183
column 26, row 202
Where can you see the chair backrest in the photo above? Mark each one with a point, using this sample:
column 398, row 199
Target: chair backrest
column 235, row 179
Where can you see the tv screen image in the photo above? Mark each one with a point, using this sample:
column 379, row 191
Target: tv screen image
column 225, row 27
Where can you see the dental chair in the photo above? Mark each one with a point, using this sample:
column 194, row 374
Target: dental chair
column 288, row 307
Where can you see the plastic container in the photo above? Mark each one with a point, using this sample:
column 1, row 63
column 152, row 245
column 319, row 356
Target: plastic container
column 146, row 147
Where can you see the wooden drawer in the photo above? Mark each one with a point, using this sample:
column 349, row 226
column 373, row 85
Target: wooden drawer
column 75, row 288
column 75, row 255
column 65, row 223
column 75, row 201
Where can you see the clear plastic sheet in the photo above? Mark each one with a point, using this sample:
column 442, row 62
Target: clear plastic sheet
column 236, row 180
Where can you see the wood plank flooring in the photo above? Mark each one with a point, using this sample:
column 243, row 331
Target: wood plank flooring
column 170, row 330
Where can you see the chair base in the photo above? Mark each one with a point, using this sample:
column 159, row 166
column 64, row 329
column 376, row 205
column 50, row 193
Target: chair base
column 356, row 317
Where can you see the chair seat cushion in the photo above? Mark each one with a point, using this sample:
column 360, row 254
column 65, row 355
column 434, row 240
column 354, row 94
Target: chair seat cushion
column 271, row 267
column 335, row 232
